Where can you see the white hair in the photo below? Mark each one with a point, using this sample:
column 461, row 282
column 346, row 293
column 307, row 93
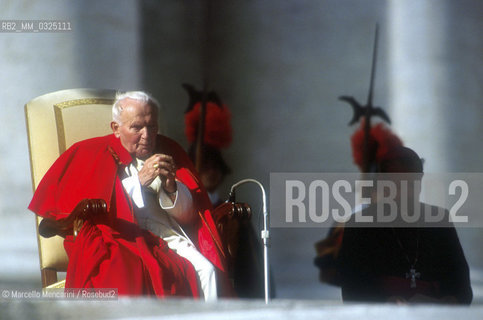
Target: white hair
column 135, row 95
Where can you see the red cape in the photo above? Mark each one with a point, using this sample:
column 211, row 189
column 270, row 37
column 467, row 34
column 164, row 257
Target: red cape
column 112, row 251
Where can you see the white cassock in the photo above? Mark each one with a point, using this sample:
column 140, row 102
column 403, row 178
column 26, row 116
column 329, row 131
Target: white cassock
column 155, row 211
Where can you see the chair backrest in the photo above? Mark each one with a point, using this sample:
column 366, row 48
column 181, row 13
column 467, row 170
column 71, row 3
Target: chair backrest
column 54, row 122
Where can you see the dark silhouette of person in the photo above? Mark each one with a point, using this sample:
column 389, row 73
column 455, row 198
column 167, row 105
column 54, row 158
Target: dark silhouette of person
column 403, row 263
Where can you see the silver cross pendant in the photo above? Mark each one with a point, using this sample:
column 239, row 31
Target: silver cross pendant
column 413, row 275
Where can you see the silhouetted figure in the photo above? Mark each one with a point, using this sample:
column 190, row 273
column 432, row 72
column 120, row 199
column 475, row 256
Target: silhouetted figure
column 417, row 263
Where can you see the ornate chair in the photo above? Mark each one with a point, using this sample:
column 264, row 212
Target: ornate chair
column 54, row 122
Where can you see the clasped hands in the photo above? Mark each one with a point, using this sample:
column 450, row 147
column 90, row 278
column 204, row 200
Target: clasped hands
column 159, row 165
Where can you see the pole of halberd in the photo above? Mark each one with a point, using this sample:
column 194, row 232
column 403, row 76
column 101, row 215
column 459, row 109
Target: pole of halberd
column 366, row 166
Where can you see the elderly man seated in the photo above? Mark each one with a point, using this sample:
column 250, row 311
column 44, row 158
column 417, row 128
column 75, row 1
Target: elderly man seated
column 158, row 236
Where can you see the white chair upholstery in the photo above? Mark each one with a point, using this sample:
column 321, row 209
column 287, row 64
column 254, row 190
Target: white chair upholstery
column 54, row 122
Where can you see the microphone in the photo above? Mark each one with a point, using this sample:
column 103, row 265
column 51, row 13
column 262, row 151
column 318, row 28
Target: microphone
column 265, row 233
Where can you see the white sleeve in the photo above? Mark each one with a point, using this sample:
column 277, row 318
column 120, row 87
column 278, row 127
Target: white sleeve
column 182, row 209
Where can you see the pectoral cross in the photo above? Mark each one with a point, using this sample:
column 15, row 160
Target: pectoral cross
column 413, row 275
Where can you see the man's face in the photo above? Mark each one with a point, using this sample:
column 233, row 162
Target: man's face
column 211, row 178
column 138, row 128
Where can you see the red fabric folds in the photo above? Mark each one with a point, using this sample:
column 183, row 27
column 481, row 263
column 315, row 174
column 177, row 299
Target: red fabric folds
column 113, row 251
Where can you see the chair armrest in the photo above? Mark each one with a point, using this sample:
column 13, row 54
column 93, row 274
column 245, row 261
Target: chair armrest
column 84, row 210
column 229, row 219
column 229, row 210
